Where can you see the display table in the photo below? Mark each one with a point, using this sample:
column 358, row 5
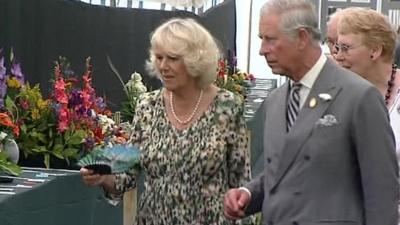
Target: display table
column 56, row 197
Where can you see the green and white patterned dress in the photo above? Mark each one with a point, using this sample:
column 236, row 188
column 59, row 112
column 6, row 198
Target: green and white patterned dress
column 188, row 171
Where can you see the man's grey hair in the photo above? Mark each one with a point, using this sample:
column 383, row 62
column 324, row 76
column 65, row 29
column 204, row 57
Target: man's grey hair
column 295, row 14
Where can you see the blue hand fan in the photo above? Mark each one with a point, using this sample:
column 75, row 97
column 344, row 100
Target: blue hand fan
column 110, row 160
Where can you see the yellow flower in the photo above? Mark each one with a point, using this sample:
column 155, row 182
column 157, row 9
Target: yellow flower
column 237, row 87
column 235, row 77
column 42, row 104
column 242, row 76
column 13, row 83
column 35, row 114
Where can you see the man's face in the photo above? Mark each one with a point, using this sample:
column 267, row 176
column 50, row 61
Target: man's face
column 279, row 51
column 332, row 36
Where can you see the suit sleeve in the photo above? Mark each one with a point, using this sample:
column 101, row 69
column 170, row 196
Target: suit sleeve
column 375, row 146
column 256, row 187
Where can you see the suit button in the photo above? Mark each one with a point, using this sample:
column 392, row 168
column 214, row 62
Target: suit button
column 295, row 223
column 269, row 160
column 297, row 193
column 270, row 223
column 307, row 157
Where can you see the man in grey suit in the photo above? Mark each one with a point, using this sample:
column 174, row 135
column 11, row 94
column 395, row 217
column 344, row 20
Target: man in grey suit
column 329, row 150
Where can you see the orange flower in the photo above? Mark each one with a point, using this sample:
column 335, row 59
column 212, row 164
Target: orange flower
column 5, row 120
column 16, row 130
column 3, row 115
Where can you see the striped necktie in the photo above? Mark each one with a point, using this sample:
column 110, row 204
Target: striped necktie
column 293, row 105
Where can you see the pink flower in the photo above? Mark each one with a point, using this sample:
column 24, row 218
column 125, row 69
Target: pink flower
column 251, row 77
column 86, row 99
column 25, row 104
column 60, row 94
column 63, row 119
column 62, row 126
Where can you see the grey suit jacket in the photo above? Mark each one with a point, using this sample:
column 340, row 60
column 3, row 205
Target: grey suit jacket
column 337, row 164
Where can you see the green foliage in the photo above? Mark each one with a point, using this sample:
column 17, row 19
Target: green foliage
column 7, row 166
column 132, row 89
column 38, row 132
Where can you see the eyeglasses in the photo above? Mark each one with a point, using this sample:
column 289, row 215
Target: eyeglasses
column 345, row 48
column 328, row 42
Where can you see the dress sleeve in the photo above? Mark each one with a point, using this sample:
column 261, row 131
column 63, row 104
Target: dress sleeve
column 127, row 180
column 238, row 147
column 239, row 153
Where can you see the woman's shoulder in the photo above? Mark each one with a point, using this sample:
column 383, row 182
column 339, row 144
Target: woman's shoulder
column 150, row 96
column 395, row 107
column 229, row 103
column 227, row 97
column 149, row 99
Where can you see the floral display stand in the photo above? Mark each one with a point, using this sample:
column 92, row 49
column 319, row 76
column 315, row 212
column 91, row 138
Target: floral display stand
column 56, row 131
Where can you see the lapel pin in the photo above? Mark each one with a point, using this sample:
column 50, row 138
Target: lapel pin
column 313, row 102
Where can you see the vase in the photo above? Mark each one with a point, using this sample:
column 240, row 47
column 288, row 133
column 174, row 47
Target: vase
column 12, row 150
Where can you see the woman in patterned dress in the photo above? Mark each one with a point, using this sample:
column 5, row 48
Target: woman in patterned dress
column 192, row 135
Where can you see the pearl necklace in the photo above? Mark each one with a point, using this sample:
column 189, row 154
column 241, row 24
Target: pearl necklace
column 390, row 84
column 171, row 102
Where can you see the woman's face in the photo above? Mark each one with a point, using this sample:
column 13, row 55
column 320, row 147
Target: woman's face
column 353, row 54
column 172, row 69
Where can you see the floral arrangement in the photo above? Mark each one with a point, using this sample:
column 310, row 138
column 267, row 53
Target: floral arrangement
column 132, row 89
column 8, row 132
column 232, row 78
column 69, row 124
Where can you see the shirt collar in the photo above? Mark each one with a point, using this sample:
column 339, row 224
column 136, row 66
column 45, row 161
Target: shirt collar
column 310, row 77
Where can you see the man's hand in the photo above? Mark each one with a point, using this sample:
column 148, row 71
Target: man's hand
column 235, row 202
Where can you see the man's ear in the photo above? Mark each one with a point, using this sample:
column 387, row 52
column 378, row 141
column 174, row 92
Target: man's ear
column 303, row 38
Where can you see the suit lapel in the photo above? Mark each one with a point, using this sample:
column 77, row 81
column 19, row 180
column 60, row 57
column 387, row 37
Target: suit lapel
column 275, row 128
column 306, row 119
column 279, row 113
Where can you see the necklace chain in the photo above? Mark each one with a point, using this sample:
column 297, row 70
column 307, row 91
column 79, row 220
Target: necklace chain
column 390, row 84
column 187, row 120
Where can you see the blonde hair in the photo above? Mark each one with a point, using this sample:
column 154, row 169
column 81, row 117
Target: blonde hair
column 191, row 41
column 375, row 29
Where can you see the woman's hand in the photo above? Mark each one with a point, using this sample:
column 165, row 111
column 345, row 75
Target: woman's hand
column 92, row 179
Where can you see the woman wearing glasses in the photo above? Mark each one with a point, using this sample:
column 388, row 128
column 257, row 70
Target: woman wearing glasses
column 366, row 45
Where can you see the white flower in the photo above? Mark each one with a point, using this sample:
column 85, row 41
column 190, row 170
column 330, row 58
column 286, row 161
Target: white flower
column 325, row 97
column 2, row 135
column 135, row 85
column 106, row 123
column 136, row 77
